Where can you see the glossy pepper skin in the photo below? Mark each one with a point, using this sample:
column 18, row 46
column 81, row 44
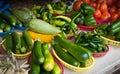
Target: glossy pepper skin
column 87, row 9
column 90, row 21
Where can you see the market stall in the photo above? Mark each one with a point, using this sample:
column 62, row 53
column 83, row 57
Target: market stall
column 59, row 37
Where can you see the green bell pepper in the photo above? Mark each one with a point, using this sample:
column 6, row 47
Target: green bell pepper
column 87, row 9
column 90, row 21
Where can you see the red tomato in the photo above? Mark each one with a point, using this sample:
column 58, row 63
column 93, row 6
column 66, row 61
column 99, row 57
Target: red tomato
column 103, row 7
column 114, row 17
column 105, row 16
column 93, row 4
column 118, row 4
column 109, row 2
column 112, row 10
column 97, row 13
column 86, row 1
column 76, row 5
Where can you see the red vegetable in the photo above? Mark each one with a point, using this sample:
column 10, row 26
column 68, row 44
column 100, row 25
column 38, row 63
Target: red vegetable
column 97, row 13
column 76, row 5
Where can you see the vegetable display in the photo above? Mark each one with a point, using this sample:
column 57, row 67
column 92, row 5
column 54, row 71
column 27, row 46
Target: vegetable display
column 110, row 31
column 91, row 41
column 16, row 45
column 48, row 65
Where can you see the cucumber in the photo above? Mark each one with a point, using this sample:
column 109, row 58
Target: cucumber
column 23, row 43
column 48, row 64
column 8, row 18
column 16, row 40
column 8, row 43
column 27, row 39
column 56, row 69
column 65, row 56
column 77, row 51
column 37, row 50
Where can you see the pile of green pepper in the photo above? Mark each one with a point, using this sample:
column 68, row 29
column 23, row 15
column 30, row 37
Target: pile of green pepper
column 91, row 41
column 111, row 30
column 86, row 17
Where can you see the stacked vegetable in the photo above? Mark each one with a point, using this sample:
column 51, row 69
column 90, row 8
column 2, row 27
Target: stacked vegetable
column 41, row 61
column 111, row 31
column 71, row 53
column 17, row 43
column 85, row 15
column 91, row 41
column 6, row 22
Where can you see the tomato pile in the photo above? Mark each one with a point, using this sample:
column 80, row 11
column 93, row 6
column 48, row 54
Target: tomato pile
column 104, row 9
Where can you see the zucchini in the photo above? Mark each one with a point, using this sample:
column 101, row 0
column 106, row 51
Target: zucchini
column 48, row 64
column 27, row 39
column 65, row 56
column 56, row 69
column 43, row 71
column 16, row 40
column 34, row 67
column 9, row 18
column 37, row 50
column 77, row 51
column 8, row 43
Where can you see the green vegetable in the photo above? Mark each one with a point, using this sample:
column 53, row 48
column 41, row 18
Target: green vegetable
column 65, row 56
column 84, row 64
column 48, row 64
column 114, row 31
column 23, row 43
column 23, row 50
column 27, row 39
column 8, row 43
column 34, row 67
column 17, row 40
column 115, row 24
column 87, row 9
column 90, row 21
column 67, row 19
column 56, row 69
column 23, row 14
column 7, row 28
column 78, row 52
column 93, row 45
column 79, row 37
column 37, row 51
column 2, row 23
column 9, row 18
column 43, row 71
column 80, row 19
column 41, row 26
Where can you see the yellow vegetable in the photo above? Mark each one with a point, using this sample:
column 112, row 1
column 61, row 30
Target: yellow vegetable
column 43, row 37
